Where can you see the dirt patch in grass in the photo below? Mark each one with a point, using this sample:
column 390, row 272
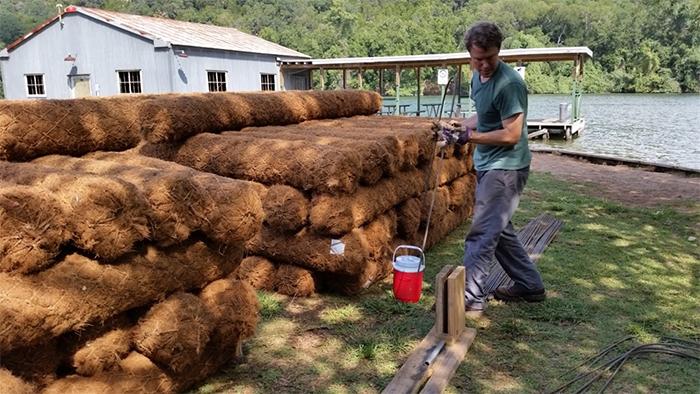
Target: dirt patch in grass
column 629, row 186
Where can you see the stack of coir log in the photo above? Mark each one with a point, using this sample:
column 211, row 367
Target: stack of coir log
column 341, row 194
column 124, row 272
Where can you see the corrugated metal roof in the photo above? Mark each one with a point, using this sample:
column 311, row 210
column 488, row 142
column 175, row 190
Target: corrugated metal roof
column 179, row 33
column 191, row 34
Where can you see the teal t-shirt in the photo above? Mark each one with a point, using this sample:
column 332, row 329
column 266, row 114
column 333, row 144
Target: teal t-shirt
column 499, row 98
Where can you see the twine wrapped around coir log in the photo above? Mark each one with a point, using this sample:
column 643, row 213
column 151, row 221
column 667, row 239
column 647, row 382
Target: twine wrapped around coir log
column 98, row 347
column 386, row 150
column 451, row 169
column 105, row 216
column 294, row 281
column 440, row 204
column 235, row 308
column 33, row 224
column 175, row 201
column 172, row 118
column 10, row 383
column 268, row 161
column 258, row 272
column 283, row 207
column 415, row 137
column 451, row 220
column 462, row 190
column 339, row 214
column 286, row 208
column 136, row 374
column 375, row 156
column 408, row 215
column 347, row 254
column 232, row 303
column 231, row 209
column 175, row 332
column 78, row 291
column 34, row 128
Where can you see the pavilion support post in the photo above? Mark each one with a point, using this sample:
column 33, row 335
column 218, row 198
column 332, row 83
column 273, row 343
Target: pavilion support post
column 420, row 87
column 281, row 74
column 359, row 77
column 321, row 79
column 381, row 82
column 577, row 88
column 458, row 86
column 345, row 78
column 398, row 88
column 309, row 80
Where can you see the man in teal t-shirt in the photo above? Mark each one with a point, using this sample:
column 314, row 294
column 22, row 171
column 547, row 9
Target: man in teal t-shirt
column 502, row 161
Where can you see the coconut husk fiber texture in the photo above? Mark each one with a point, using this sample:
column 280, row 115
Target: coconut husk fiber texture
column 98, row 347
column 36, row 364
column 383, row 150
column 231, row 209
column 339, row 214
column 375, row 155
column 451, row 220
column 415, row 137
column 439, row 199
column 12, row 384
column 136, row 374
column 78, row 291
column 346, row 254
column 408, row 215
column 451, row 169
column 269, row 161
column 175, row 201
column 105, row 216
column 295, row 281
column 34, row 128
column 175, row 117
column 175, row 331
column 462, row 190
column 286, row 208
column 32, row 228
column 235, row 308
column 258, row 272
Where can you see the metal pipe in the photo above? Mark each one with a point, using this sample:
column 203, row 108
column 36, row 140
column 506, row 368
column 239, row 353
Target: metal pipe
column 433, row 355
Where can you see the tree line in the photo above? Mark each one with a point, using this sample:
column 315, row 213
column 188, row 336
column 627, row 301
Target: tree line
column 644, row 46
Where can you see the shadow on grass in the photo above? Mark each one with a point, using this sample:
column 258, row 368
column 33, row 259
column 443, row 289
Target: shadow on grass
column 612, row 271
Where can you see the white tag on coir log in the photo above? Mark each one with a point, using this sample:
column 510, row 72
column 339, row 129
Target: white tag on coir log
column 337, row 247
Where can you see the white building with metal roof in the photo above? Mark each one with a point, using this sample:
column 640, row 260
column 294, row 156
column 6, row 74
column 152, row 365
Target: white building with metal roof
column 91, row 52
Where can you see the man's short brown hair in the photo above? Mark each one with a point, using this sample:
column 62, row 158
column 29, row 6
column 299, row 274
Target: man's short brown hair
column 484, row 35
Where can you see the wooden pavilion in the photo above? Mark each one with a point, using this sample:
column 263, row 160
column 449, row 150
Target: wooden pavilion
column 563, row 125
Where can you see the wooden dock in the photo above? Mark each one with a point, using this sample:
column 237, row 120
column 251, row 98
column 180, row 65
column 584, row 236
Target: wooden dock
column 546, row 128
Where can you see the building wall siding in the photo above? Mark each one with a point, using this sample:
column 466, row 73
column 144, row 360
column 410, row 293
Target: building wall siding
column 101, row 50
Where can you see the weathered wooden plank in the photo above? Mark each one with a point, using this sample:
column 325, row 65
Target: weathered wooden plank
column 414, row 372
column 448, row 361
column 441, row 323
column 455, row 301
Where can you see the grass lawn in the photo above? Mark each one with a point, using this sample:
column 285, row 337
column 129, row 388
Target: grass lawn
column 612, row 271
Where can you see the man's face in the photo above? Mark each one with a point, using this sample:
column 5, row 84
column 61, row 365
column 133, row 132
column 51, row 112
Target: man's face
column 484, row 61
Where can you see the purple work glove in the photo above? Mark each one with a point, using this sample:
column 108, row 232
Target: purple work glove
column 457, row 136
column 464, row 135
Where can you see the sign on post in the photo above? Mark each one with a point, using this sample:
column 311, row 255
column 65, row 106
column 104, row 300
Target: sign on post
column 443, row 76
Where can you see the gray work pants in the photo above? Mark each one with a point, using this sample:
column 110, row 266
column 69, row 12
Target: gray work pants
column 492, row 233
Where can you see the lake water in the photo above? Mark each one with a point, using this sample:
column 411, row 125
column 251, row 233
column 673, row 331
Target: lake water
column 659, row 128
